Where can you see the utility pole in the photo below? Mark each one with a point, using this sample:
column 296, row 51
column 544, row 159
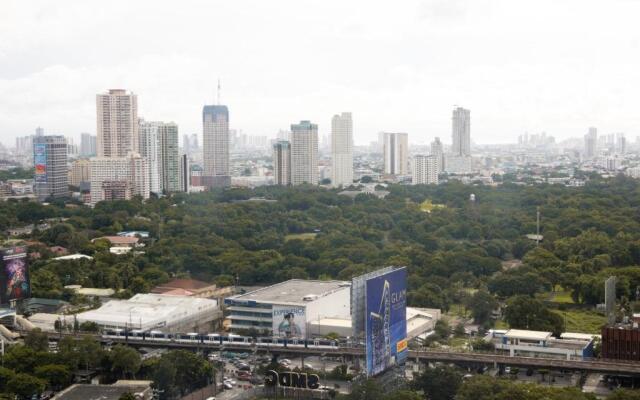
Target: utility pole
column 537, row 226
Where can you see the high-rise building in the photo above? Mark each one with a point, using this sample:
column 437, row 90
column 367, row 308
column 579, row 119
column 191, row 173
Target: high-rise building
column 342, row 150
column 150, row 148
column 72, row 148
column 50, row 162
column 87, row 145
column 215, row 143
column 304, row 153
column 621, row 143
column 461, row 132
column 79, row 172
column 396, row 153
column 425, row 170
column 133, row 169
column 169, row 154
column 117, row 115
column 185, row 173
column 190, row 143
column 282, row 163
column 591, row 143
column 437, row 150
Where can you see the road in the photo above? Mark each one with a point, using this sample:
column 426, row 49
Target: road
column 427, row 355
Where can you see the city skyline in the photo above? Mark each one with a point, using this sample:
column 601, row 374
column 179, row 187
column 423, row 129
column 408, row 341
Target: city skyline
column 561, row 80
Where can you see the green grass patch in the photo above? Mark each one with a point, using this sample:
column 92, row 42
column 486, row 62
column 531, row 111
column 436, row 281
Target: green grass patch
column 561, row 297
column 300, row 236
column 583, row 321
column 458, row 310
column 500, row 324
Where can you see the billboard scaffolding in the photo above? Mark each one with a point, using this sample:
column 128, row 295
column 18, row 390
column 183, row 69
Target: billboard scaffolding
column 386, row 321
column 14, row 279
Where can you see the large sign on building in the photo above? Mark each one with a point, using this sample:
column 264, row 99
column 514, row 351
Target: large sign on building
column 289, row 321
column 14, row 277
column 40, row 162
column 386, row 321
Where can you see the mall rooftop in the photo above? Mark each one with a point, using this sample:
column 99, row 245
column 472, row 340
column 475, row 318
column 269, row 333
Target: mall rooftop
column 294, row 291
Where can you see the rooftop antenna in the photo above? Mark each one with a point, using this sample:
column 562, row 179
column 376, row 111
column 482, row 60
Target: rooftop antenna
column 218, row 103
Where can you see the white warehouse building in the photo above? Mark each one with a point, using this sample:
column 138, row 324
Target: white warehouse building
column 287, row 308
column 156, row 312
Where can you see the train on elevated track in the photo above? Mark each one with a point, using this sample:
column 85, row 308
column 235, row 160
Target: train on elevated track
column 219, row 339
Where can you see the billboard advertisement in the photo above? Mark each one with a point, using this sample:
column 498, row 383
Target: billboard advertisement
column 289, row 321
column 14, row 279
column 386, row 321
column 40, row 162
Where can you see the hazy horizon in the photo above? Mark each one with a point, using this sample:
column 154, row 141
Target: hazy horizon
column 519, row 66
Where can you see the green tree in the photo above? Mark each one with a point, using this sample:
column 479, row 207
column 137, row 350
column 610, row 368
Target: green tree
column 37, row 340
column 481, row 304
column 366, row 390
column 523, row 312
column 125, row 360
column 58, row 376
column 25, row 386
column 5, row 376
column 439, row 383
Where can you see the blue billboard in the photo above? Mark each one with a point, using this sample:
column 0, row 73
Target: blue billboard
column 386, row 321
column 40, row 162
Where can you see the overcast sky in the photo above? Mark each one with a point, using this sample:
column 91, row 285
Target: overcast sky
column 557, row 66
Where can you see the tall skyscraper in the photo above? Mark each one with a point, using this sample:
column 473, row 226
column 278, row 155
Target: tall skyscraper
column 304, row 153
column 282, row 163
column 215, row 143
column 621, row 143
column 50, row 162
column 117, row 115
column 185, row 173
column 342, row 150
column 169, row 153
column 150, row 148
column 396, row 153
column 461, row 132
column 425, row 170
column 591, row 143
column 437, row 150
column 87, row 145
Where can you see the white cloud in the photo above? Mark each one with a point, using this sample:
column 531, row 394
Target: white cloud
column 518, row 65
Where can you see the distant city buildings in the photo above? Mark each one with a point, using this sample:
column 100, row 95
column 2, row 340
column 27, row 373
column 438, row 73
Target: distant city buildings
column 396, row 153
column 51, row 176
column 117, row 123
column 87, row 145
column 590, row 143
column 282, row 163
column 215, row 144
column 190, row 144
column 425, row 170
column 304, row 153
column 342, row 150
column 437, row 150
